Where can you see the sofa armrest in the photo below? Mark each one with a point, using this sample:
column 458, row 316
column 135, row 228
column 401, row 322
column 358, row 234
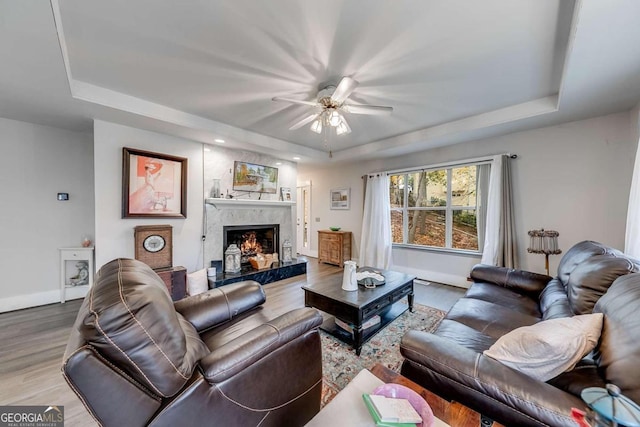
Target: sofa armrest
column 221, row 304
column 471, row 377
column 238, row 354
column 517, row 280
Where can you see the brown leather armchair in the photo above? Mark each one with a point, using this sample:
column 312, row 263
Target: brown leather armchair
column 218, row 358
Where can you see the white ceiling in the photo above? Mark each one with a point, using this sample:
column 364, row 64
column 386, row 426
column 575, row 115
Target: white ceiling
column 452, row 70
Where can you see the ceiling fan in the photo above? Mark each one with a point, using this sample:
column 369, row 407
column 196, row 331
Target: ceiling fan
column 329, row 106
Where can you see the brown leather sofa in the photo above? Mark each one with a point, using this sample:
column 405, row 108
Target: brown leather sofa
column 135, row 358
column 450, row 360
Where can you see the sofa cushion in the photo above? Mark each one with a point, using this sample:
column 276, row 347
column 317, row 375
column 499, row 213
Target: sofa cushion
column 505, row 297
column 197, row 282
column 591, row 279
column 131, row 321
column 578, row 254
column 550, row 347
column 554, row 302
column 464, row 335
column 618, row 353
column 490, row 318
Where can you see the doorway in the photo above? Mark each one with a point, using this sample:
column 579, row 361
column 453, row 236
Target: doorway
column 303, row 221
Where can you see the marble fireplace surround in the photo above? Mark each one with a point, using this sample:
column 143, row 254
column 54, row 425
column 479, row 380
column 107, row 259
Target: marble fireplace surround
column 221, row 212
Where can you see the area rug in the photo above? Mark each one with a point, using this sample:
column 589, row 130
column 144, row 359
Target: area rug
column 340, row 363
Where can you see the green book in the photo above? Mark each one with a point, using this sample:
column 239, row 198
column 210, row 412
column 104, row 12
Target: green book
column 376, row 416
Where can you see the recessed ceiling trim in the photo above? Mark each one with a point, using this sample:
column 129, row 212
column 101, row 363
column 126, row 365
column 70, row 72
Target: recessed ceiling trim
column 575, row 20
column 421, row 139
column 57, row 20
column 110, row 98
column 428, row 138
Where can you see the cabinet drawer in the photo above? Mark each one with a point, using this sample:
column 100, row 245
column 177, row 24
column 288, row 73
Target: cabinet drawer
column 331, row 237
column 399, row 294
column 376, row 307
column 75, row 255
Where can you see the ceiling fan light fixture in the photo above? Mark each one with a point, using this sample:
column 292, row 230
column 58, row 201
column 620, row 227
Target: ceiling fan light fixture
column 329, row 108
column 316, row 126
column 343, row 128
column 335, row 118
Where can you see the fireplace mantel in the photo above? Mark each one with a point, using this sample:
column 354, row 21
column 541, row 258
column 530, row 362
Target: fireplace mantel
column 246, row 202
column 230, row 212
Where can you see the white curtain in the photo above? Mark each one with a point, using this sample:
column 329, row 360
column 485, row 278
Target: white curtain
column 482, row 179
column 375, row 243
column 632, row 234
column 499, row 238
column 492, row 219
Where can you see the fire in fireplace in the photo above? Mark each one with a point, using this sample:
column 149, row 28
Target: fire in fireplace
column 252, row 239
column 250, row 245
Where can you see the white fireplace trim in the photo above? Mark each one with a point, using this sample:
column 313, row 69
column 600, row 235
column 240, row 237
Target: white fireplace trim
column 246, row 202
column 242, row 212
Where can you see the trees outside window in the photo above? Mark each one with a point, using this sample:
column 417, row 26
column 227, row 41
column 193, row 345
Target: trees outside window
column 436, row 208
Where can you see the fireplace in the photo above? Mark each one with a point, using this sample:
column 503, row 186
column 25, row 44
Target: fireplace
column 252, row 239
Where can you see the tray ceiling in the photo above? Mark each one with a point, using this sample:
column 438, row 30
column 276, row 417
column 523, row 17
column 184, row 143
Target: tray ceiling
column 452, row 71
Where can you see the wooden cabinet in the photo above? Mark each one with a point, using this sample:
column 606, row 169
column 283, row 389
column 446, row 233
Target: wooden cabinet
column 334, row 247
column 175, row 278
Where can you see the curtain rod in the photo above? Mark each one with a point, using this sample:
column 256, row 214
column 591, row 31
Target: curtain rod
column 448, row 164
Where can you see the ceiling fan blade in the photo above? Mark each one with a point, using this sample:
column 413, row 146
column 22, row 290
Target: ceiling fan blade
column 307, row 119
column 344, row 89
column 294, row 101
column 367, row 109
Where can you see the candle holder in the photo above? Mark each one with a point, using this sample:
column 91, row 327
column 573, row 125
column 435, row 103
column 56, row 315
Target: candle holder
column 287, row 251
column 232, row 259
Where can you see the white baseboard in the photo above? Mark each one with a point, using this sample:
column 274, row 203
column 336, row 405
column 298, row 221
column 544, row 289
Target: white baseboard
column 310, row 253
column 32, row 300
column 434, row 276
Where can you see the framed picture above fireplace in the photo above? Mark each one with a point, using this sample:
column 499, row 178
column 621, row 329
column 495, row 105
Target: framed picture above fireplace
column 153, row 185
column 254, row 178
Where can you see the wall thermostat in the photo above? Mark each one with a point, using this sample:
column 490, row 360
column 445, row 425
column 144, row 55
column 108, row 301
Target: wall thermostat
column 63, row 196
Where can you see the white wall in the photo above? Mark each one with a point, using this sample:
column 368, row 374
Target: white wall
column 114, row 234
column 323, row 179
column 573, row 178
column 37, row 162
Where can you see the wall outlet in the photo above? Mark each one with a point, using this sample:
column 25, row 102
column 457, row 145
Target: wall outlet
column 318, row 219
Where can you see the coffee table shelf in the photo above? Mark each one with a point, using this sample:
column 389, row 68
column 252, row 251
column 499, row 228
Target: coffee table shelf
column 388, row 316
column 356, row 307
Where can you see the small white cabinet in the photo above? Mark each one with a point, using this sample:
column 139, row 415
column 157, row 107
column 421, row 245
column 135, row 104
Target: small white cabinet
column 76, row 272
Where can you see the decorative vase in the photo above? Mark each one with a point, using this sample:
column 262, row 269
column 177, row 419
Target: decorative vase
column 215, row 189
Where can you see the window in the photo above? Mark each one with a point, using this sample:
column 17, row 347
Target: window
column 438, row 208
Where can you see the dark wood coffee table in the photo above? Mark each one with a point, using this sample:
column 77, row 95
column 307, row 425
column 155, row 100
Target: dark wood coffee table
column 356, row 307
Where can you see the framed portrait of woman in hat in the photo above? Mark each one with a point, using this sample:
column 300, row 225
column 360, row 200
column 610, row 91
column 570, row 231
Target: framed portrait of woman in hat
column 153, row 185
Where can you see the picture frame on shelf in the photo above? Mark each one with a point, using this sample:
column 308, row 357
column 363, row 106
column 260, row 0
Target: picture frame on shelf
column 153, row 185
column 285, row 194
column 340, row 198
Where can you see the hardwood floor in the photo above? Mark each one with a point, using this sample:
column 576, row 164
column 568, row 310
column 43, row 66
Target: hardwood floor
column 33, row 341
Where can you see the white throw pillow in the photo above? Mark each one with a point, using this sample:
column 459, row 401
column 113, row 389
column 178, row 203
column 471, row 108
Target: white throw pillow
column 548, row 348
column 197, row 282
